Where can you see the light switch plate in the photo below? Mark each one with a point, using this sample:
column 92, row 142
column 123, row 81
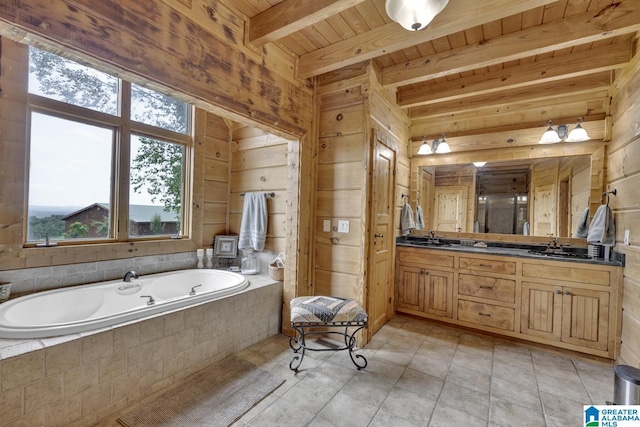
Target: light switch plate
column 343, row 226
column 626, row 237
column 326, row 225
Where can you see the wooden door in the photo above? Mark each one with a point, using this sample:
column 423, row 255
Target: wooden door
column 410, row 288
column 380, row 307
column 438, row 293
column 450, row 208
column 585, row 317
column 544, row 210
column 541, row 310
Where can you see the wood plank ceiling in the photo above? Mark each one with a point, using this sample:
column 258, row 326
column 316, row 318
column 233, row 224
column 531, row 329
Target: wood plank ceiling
column 488, row 73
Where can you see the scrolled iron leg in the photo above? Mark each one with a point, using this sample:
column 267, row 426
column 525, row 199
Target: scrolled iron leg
column 352, row 343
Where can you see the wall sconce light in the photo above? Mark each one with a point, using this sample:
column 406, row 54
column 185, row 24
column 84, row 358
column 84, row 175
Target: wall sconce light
column 561, row 133
column 479, row 164
column 438, row 146
column 414, row 15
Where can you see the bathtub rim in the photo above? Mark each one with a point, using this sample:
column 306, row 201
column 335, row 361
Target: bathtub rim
column 83, row 328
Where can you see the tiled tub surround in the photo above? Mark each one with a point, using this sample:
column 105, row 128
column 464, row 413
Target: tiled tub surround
column 76, row 380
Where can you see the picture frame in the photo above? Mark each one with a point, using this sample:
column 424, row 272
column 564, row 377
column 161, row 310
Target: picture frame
column 225, row 246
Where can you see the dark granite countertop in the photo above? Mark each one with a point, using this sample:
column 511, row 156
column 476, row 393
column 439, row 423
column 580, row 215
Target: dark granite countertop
column 569, row 254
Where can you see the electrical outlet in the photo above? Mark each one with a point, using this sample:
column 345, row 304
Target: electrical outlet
column 626, row 237
column 343, row 226
column 326, row 226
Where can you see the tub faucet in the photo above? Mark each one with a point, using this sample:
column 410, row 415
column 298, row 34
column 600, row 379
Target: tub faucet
column 130, row 274
column 151, row 301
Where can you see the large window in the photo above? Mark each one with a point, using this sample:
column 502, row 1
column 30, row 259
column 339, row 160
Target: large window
column 103, row 153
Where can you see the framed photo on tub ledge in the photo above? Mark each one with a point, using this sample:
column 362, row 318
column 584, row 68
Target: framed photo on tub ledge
column 225, row 246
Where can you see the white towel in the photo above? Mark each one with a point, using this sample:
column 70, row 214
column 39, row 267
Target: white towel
column 525, row 228
column 602, row 230
column 406, row 220
column 583, row 225
column 476, row 227
column 253, row 229
column 419, row 218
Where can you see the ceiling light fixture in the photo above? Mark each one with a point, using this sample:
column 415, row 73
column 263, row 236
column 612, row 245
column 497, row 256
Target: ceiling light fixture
column 479, row 164
column 414, row 14
column 561, row 133
column 439, row 146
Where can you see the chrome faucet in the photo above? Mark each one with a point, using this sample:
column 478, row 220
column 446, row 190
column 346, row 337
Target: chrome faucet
column 130, row 274
column 151, row 301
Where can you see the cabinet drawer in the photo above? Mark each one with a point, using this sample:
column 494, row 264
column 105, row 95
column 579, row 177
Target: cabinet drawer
column 487, row 287
column 424, row 258
column 566, row 273
column 491, row 265
column 486, row 314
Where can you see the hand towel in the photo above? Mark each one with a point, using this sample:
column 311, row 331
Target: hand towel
column 253, row 228
column 525, row 228
column 419, row 218
column 583, row 225
column 602, row 230
column 476, row 227
column 406, row 220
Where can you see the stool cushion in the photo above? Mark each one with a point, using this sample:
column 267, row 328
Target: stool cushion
column 326, row 310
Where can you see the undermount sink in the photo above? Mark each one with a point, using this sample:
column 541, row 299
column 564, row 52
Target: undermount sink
column 559, row 253
column 425, row 242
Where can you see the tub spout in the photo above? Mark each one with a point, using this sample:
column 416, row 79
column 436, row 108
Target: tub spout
column 151, row 300
column 130, row 274
column 193, row 290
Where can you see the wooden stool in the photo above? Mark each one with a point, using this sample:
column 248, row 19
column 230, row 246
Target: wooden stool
column 322, row 315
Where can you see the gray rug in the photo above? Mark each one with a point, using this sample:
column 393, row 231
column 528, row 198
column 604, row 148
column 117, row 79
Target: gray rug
column 216, row 396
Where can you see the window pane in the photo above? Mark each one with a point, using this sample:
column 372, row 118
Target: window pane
column 156, row 109
column 69, row 179
column 67, row 81
column 155, row 197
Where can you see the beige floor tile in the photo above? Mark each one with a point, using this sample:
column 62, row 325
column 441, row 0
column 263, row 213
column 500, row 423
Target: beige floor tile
column 509, row 414
column 408, row 406
column 526, row 395
column 567, row 386
column 469, row 378
column 310, row 395
column 398, row 355
column 347, row 411
column 465, row 399
column 476, row 362
column 384, row 371
column 283, row 413
column 367, row 389
column 318, row 421
column 387, row 419
column 524, row 375
column 562, row 408
column 428, row 364
column 446, row 416
column 419, row 383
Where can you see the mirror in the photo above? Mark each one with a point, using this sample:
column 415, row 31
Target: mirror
column 537, row 197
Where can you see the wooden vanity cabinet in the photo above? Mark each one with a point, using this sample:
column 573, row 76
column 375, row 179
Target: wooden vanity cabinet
column 425, row 289
column 561, row 303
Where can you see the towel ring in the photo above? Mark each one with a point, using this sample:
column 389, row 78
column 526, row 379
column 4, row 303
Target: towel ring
column 606, row 193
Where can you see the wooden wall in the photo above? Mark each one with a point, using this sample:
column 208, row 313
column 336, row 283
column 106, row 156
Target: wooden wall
column 259, row 164
column 192, row 51
column 623, row 174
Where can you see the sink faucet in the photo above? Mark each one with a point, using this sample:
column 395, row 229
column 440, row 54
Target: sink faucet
column 130, row 274
column 432, row 235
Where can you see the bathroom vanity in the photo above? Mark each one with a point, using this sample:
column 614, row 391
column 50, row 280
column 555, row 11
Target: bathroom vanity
column 565, row 300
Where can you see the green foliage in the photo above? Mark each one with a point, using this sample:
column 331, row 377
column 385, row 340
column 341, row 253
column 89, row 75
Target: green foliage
column 52, row 225
column 157, row 166
column 156, row 224
column 101, row 227
column 77, row 230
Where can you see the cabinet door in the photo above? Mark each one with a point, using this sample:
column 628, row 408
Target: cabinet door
column 410, row 288
column 438, row 293
column 585, row 317
column 541, row 310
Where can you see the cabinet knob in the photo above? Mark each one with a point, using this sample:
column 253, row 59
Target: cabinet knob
column 567, row 293
column 558, row 292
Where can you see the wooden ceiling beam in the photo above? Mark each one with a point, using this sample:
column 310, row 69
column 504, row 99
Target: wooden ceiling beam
column 392, row 37
column 577, row 64
column 507, row 100
column 290, row 16
column 621, row 18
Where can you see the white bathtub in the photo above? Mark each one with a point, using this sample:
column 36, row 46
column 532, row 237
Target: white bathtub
column 87, row 307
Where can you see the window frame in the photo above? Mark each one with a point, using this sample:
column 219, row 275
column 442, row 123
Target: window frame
column 123, row 128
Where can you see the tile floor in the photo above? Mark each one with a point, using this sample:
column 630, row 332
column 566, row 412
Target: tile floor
column 426, row 374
